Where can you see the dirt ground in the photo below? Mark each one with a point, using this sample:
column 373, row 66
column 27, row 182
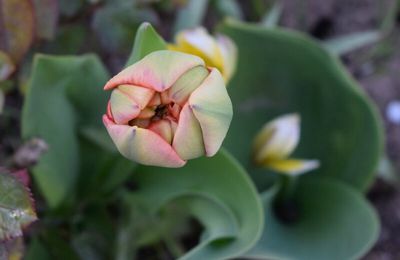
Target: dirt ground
column 378, row 71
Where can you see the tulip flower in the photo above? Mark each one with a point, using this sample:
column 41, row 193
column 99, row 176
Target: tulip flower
column 168, row 108
column 276, row 141
column 219, row 51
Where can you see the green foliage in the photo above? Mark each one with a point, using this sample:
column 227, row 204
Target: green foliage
column 282, row 72
column 64, row 95
column 147, row 40
column 16, row 207
column 218, row 193
column 335, row 222
column 191, row 15
column 115, row 24
column 348, row 43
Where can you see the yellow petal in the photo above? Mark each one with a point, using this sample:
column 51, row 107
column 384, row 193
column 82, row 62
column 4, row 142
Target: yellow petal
column 277, row 139
column 200, row 43
column 292, row 166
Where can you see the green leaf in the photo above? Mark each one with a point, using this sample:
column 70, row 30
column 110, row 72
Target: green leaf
column 191, row 15
column 64, row 95
column 218, row 193
column 147, row 40
column 229, row 8
column 347, row 43
column 335, row 222
column 36, row 250
column 116, row 24
column 271, row 18
column 283, row 72
column 16, row 207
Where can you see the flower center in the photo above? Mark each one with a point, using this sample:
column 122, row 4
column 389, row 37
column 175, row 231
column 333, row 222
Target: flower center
column 160, row 112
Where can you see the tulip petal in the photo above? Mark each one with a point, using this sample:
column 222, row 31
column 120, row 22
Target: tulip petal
column 199, row 42
column 123, row 107
column 212, row 107
column 163, row 129
column 292, row 166
column 187, row 83
column 188, row 140
column 141, row 95
column 142, row 145
column 277, row 139
column 157, row 71
column 229, row 55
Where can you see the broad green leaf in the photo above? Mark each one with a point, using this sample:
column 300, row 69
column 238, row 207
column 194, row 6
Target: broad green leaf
column 271, row 18
column 102, row 168
column 16, row 26
column 347, row 43
column 218, row 193
column 46, row 17
column 147, row 40
column 284, row 72
column 115, row 24
column 16, row 207
column 335, row 222
column 64, row 95
column 229, row 8
column 191, row 15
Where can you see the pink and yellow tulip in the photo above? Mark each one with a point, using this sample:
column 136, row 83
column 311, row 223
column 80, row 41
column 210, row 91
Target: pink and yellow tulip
column 168, row 108
column 276, row 141
column 219, row 51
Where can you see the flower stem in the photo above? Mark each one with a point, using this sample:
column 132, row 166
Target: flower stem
column 286, row 207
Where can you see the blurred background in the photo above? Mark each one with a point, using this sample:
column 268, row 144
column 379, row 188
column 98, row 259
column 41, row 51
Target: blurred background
column 365, row 32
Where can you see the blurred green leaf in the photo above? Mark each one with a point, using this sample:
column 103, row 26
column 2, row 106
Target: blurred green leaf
column 345, row 44
column 69, row 40
column 70, row 8
column 17, row 27
column 36, row 250
column 102, row 168
column 271, row 18
column 16, row 207
column 335, row 222
column 218, row 193
column 229, row 8
column 116, row 24
column 64, row 95
column 283, row 72
column 147, row 40
column 46, row 17
column 191, row 15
